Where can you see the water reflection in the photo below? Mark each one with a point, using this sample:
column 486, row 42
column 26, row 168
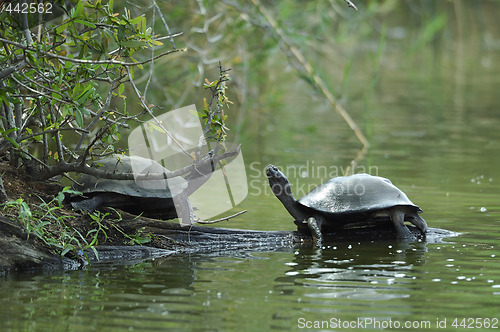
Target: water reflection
column 433, row 131
column 347, row 280
column 339, row 277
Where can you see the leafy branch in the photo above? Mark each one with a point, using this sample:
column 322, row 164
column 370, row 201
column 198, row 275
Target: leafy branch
column 67, row 84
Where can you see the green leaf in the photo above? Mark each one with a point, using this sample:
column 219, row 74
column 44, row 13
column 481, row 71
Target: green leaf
column 132, row 43
column 121, row 88
column 65, row 110
column 85, row 23
column 62, row 27
column 65, row 251
column 82, row 97
column 78, row 10
column 14, row 143
column 155, row 127
column 136, row 20
column 79, row 117
column 96, row 253
column 76, row 90
column 143, row 26
column 8, row 131
column 120, row 33
column 60, row 198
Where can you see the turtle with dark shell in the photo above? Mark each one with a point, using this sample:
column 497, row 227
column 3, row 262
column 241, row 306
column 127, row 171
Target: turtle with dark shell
column 155, row 198
column 347, row 201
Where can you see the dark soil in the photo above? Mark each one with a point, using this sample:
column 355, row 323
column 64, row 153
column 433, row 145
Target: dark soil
column 18, row 185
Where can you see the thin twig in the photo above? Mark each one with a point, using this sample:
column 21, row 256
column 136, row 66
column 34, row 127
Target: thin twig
column 93, row 62
column 164, row 23
column 354, row 163
column 207, row 222
column 39, row 93
column 148, row 109
column 320, row 84
column 50, row 131
column 351, row 4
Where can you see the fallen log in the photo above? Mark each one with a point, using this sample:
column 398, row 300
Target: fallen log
column 18, row 253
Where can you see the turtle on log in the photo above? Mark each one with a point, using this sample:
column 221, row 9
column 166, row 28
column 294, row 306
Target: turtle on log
column 155, row 198
column 347, row 201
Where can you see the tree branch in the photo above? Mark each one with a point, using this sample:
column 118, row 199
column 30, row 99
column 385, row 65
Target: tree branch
column 78, row 167
column 280, row 36
column 26, row 28
column 94, row 62
column 8, row 71
column 351, row 4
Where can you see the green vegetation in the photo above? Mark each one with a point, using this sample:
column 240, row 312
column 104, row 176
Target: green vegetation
column 63, row 101
column 70, row 89
column 54, row 82
column 49, row 223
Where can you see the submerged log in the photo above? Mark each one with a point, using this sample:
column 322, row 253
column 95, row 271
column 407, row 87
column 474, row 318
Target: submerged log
column 18, row 253
column 203, row 238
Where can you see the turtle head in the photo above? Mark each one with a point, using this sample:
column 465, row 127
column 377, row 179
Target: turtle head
column 278, row 182
column 282, row 190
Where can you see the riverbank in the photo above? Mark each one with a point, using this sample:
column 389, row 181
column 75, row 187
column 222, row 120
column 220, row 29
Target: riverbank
column 38, row 231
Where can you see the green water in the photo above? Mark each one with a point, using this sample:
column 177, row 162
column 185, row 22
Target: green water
column 432, row 120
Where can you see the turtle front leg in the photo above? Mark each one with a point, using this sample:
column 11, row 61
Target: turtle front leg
column 398, row 218
column 184, row 210
column 315, row 228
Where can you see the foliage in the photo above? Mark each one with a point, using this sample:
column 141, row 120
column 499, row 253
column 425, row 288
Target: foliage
column 60, row 232
column 214, row 119
column 64, row 87
column 48, row 223
column 67, row 83
column 69, row 88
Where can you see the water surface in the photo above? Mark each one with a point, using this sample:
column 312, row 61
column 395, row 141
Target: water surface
column 432, row 119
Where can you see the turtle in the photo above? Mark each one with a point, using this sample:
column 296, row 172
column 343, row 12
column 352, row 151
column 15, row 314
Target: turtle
column 155, row 198
column 347, row 201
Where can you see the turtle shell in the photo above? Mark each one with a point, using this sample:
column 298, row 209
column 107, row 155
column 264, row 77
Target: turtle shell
column 154, row 188
column 357, row 193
